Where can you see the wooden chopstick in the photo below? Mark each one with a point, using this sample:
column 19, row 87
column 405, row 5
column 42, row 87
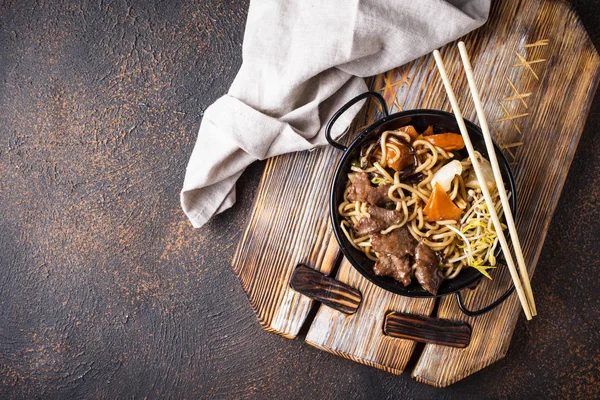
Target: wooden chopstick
column 498, row 176
column 480, row 178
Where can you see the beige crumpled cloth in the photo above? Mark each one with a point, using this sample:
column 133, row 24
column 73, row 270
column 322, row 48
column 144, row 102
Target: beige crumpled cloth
column 302, row 60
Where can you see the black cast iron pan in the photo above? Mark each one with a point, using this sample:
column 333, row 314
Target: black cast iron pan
column 441, row 122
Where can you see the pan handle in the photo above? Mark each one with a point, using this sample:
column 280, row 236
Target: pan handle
column 344, row 108
column 426, row 329
column 346, row 299
column 324, row 289
column 481, row 311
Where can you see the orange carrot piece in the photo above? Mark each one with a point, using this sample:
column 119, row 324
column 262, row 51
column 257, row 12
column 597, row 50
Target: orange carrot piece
column 440, row 207
column 447, row 141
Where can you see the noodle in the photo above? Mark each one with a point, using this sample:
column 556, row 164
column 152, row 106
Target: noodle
column 469, row 242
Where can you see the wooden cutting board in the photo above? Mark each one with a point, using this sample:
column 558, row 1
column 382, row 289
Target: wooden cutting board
column 538, row 73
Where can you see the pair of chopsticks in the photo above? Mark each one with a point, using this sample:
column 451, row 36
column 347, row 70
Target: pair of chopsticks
column 523, row 289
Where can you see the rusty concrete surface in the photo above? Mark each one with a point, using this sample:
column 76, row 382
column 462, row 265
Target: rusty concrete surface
column 107, row 292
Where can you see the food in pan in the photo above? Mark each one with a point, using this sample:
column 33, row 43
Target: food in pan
column 416, row 209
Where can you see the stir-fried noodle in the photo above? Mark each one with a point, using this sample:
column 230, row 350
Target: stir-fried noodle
column 468, row 242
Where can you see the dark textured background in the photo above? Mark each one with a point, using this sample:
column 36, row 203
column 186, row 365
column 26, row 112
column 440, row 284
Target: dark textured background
column 105, row 289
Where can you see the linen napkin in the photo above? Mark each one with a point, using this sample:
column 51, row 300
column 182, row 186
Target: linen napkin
column 302, row 60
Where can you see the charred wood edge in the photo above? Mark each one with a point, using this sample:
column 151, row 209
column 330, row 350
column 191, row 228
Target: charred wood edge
column 427, row 329
column 326, row 290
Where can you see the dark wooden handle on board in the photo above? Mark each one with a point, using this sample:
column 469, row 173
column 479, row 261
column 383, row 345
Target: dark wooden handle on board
column 427, row 329
column 326, row 290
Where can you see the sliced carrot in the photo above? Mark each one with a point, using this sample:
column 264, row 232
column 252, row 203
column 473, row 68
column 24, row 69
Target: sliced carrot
column 428, row 131
column 402, row 162
column 440, row 207
column 412, row 132
column 447, row 141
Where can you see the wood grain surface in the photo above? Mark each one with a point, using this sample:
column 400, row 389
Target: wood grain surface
column 521, row 64
column 360, row 337
column 106, row 292
column 287, row 228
